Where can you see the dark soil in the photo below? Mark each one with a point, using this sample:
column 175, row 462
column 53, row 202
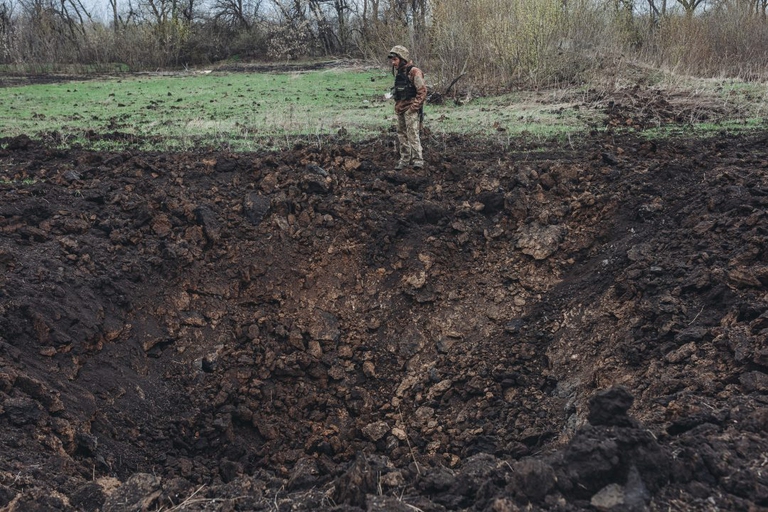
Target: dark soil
column 548, row 327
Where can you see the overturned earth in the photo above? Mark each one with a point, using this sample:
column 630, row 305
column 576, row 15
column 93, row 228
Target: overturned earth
column 534, row 326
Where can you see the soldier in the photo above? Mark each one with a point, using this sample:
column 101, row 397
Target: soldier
column 409, row 93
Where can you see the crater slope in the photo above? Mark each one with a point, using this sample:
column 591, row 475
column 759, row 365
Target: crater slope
column 540, row 327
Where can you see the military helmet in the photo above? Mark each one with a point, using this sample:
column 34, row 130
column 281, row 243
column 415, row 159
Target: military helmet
column 400, row 51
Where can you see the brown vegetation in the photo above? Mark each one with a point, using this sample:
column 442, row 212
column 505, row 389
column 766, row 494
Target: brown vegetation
column 492, row 43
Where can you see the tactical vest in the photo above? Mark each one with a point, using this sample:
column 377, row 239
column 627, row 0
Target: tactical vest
column 404, row 88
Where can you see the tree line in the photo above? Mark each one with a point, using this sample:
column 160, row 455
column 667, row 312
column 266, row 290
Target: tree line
column 491, row 43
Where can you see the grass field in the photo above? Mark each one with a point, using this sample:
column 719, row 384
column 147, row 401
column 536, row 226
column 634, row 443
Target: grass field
column 244, row 111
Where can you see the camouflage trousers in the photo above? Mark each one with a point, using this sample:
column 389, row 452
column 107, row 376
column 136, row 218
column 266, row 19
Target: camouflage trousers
column 409, row 138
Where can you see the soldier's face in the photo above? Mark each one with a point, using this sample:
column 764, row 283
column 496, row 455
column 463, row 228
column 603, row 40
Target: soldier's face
column 394, row 60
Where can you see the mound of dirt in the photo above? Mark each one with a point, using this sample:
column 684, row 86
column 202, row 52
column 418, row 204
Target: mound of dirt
column 527, row 328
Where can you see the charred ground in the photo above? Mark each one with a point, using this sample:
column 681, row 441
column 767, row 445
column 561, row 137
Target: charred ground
column 529, row 327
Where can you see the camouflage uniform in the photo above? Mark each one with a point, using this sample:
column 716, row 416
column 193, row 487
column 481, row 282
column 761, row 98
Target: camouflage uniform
column 409, row 109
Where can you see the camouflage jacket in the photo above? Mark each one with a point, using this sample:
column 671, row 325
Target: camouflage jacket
column 417, row 78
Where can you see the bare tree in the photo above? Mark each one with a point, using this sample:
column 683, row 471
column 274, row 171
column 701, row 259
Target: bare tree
column 690, row 6
column 115, row 15
column 6, row 29
column 657, row 9
column 291, row 11
column 341, row 7
column 164, row 12
column 71, row 14
column 74, row 14
column 370, row 14
column 324, row 26
column 419, row 13
column 759, row 8
column 53, row 30
column 315, row 16
column 159, row 11
column 122, row 17
column 236, row 13
column 169, row 23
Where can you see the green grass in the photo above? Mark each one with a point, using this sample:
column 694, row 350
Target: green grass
column 244, row 111
column 241, row 110
column 731, row 127
column 512, row 115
